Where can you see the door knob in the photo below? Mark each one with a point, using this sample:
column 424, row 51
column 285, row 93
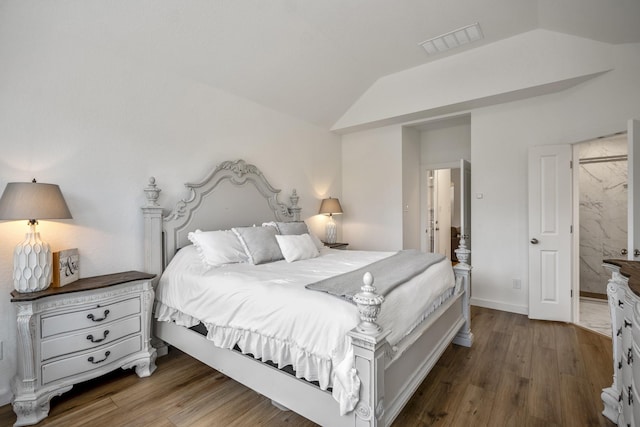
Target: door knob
column 534, row 241
column 623, row 251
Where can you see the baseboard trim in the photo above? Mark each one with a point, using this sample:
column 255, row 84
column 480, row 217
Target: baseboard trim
column 497, row 305
column 593, row 295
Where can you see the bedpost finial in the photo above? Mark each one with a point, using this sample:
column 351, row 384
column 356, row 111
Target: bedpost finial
column 462, row 253
column 367, row 279
column 294, row 209
column 152, row 192
column 369, row 304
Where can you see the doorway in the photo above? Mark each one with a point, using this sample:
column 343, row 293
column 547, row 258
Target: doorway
column 443, row 211
column 602, row 199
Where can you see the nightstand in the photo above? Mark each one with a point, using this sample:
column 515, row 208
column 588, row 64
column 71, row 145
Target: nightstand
column 336, row 245
column 80, row 331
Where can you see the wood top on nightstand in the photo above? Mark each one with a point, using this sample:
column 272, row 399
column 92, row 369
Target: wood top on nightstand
column 88, row 283
column 337, row 245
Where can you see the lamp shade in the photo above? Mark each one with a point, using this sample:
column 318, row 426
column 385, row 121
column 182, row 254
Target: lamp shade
column 33, row 200
column 330, row 206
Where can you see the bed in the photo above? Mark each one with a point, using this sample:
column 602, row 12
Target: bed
column 373, row 351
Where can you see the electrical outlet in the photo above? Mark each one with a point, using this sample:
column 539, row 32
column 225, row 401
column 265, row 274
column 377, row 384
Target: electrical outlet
column 517, row 284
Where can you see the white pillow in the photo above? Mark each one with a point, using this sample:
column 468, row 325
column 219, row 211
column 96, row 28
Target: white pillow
column 218, row 247
column 295, row 247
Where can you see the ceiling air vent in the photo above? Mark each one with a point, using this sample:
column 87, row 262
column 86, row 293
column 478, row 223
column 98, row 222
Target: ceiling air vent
column 453, row 39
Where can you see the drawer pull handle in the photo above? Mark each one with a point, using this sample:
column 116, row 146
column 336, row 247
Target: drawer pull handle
column 619, row 331
column 92, row 317
column 95, row 362
column 627, row 324
column 93, row 340
column 620, row 304
column 630, row 399
column 629, row 357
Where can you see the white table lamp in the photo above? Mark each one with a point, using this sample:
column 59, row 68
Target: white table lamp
column 32, row 259
column 330, row 207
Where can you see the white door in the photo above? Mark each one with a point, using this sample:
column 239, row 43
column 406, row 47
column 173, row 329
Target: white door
column 465, row 203
column 633, row 165
column 550, row 232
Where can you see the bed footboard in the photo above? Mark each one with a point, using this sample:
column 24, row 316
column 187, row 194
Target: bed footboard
column 386, row 385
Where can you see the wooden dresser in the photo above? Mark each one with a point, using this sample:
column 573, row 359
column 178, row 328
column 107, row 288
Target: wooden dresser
column 78, row 332
column 622, row 399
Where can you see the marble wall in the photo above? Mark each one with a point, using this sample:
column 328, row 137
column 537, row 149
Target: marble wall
column 603, row 209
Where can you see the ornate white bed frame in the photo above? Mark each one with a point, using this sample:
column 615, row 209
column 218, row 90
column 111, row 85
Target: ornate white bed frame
column 389, row 377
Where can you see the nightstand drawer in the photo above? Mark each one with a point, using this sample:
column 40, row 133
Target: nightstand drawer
column 86, row 362
column 89, row 338
column 89, row 316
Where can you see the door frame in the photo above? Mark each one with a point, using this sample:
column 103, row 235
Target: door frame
column 575, row 264
column 424, row 169
column 575, row 244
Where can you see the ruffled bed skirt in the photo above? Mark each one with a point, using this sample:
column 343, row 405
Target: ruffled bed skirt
column 306, row 365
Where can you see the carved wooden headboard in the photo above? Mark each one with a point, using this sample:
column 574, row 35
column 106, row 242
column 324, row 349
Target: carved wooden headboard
column 233, row 194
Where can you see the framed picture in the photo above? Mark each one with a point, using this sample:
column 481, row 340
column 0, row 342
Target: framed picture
column 66, row 267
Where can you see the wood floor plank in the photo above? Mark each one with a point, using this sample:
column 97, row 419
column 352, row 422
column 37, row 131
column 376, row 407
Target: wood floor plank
column 92, row 413
column 518, row 372
column 544, row 387
column 510, row 404
column 475, row 408
column 544, row 334
column 486, row 373
column 577, row 402
column 569, row 352
column 517, row 359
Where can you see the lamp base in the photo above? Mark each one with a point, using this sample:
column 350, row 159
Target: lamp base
column 331, row 231
column 32, row 261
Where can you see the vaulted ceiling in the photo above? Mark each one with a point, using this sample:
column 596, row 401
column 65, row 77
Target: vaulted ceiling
column 309, row 58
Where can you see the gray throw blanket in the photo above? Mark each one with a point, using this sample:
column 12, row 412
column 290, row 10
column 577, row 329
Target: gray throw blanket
column 388, row 273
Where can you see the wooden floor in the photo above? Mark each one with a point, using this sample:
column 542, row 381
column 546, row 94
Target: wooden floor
column 519, row 372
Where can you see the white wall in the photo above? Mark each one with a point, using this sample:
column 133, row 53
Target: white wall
column 83, row 117
column 446, row 143
column 500, row 137
column 410, row 188
column 533, row 62
column 372, row 189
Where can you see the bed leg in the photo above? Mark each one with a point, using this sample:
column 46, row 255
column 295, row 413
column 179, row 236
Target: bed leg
column 462, row 271
column 370, row 354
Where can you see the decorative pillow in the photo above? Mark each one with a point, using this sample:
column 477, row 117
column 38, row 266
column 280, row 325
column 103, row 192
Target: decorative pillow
column 218, row 247
column 288, row 228
column 259, row 243
column 297, row 247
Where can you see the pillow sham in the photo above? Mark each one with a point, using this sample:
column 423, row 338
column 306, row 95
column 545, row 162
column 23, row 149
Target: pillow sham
column 217, row 248
column 295, row 247
column 259, row 243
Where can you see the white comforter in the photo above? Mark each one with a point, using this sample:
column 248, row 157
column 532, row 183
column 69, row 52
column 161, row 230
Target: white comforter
column 266, row 310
